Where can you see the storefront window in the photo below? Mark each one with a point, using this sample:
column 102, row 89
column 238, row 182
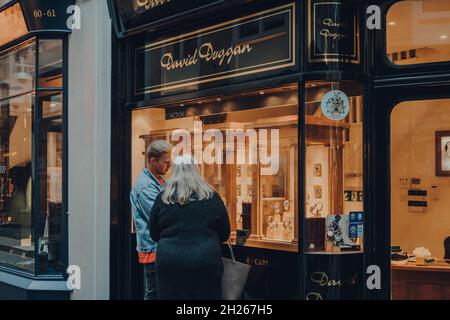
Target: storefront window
column 254, row 169
column 31, row 150
column 334, row 175
column 16, row 236
column 334, row 208
column 420, row 185
column 418, row 31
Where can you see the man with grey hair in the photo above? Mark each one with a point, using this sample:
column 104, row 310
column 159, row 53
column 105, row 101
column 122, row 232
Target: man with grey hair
column 142, row 197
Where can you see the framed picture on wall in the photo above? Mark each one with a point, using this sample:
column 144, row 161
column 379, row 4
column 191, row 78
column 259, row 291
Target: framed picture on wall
column 443, row 153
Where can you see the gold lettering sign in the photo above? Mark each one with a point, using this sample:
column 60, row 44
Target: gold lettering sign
column 216, row 53
column 323, row 280
column 257, row 262
column 144, row 5
column 208, row 53
column 333, row 38
column 326, row 33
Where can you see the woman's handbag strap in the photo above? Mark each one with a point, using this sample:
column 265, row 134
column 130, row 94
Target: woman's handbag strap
column 231, row 250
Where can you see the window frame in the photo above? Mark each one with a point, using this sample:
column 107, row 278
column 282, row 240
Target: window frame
column 36, row 90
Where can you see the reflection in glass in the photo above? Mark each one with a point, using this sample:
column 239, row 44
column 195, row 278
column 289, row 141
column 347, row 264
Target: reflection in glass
column 334, row 176
column 16, row 237
column 50, row 63
column 418, row 31
column 50, row 146
column 12, row 23
column 17, row 70
column 260, row 195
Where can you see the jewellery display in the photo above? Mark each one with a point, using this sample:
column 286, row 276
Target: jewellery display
column 318, row 170
column 279, row 225
column 318, row 192
column 316, row 209
column 238, row 171
column 276, row 209
column 286, row 205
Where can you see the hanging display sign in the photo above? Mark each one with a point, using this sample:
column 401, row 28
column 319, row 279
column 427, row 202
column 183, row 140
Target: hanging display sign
column 333, row 31
column 243, row 47
column 335, row 105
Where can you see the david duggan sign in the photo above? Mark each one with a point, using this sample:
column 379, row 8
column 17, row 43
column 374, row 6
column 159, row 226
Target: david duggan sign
column 247, row 46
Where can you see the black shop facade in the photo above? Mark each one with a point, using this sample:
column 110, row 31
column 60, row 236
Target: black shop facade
column 298, row 83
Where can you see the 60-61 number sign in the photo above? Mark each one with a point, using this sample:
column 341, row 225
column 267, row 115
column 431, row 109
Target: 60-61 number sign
column 49, row 13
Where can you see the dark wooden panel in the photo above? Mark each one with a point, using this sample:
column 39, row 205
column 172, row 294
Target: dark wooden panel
column 409, row 284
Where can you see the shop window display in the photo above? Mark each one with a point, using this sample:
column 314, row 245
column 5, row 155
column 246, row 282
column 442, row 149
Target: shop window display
column 420, row 176
column 334, row 176
column 255, row 169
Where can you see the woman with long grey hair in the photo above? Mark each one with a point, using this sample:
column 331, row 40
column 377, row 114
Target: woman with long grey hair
column 188, row 221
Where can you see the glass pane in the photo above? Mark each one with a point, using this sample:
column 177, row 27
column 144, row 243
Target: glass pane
column 334, row 207
column 50, row 63
column 49, row 168
column 256, row 168
column 420, row 185
column 16, row 237
column 17, row 71
column 334, row 176
column 3, row 2
column 418, row 31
